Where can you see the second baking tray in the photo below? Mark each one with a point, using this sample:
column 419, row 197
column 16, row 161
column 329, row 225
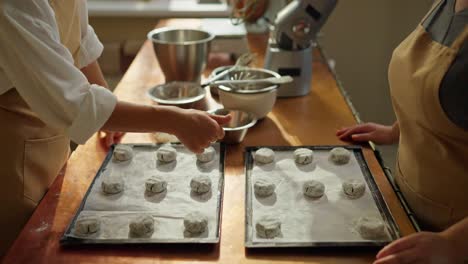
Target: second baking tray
column 167, row 208
column 325, row 222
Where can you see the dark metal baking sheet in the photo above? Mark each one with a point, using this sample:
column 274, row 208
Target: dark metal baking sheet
column 382, row 206
column 67, row 239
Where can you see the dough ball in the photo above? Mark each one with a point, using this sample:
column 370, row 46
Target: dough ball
column 303, row 156
column 141, row 226
column 112, row 184
column 354, row 188
column 313, row 189
column 207, row 155
column 195, row 223
column 264, row 156
column 340, row 156
column 200, row 184
column 268, row 227
column 122, row 153
column 371, row 228
column 264, row 187
column 87, row 225
column 156, row 184
column 166, row 154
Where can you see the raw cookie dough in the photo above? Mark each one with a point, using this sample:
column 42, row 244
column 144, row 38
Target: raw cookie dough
column 340, row 156
column 264, row 156
column 166, row 154
column 264, row 187
column 200, row 184
column 303, row 156
column 141, row 226
column 371, row 228
column 268, row 227
column 87, row 225
column 195, row 223
column 207, row 155
column 313, row 189
column 112, row 184
column 156, row 184
column 122, row 153
column 354, row 188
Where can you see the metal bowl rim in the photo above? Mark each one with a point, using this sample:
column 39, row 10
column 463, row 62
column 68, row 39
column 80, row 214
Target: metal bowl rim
column 167, row 29
column 253, row 119
column 263, row 90
column 201, row 95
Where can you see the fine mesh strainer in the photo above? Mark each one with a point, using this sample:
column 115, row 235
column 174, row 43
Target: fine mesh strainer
column 247, row 73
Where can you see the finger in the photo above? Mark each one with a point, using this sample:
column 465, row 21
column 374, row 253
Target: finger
column 341, row 131
column 362, row 137
column 109, row 139
column 397, row 246
column 198, row 150
column 118, row 136
column 219, row 133
column 403, row 257
column 364, row 128
column 221, row 120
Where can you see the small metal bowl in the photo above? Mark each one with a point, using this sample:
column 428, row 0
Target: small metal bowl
column 236, row 129
column 181, row 94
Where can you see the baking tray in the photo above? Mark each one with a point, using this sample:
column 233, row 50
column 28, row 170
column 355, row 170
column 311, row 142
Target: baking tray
column 69, row 239
column 393, row 231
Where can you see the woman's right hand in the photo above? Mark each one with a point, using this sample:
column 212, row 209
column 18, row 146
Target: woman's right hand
column 379, row 134
column 198, row 129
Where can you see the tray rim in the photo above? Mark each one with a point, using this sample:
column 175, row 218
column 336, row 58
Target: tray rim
column 68, row 240
column 381, row 204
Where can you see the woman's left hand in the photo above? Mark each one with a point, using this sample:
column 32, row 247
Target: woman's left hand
column 109, row 138
column 424, row 247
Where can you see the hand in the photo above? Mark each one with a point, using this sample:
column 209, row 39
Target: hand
column 420, row 248
column 379, row 134
column 108, row 138
column 197, row 129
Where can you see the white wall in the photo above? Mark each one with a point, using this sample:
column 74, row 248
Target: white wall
column 360, row 36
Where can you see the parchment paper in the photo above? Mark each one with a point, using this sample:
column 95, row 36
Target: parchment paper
column 330, row 218
column 167, row 208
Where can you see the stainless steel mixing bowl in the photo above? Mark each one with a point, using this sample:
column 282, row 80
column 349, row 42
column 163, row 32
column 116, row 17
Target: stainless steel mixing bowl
column 182, row 94
column 237, row 128
column 182, row 53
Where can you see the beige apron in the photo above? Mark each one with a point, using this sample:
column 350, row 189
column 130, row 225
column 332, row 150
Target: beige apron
column 32, row 152
column 432, row 168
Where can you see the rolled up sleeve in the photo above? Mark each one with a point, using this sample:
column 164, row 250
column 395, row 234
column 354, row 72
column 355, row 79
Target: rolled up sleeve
column 91, row 48
column 42, row 71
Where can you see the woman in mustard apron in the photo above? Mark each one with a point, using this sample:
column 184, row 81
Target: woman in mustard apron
column 428, row 77
column 51, row 91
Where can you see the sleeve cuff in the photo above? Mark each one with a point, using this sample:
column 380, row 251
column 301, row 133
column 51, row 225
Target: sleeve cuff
column 97, row 107
column 91, row 48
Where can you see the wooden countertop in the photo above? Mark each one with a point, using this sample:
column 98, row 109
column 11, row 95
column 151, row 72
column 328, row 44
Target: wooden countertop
column 308, row 120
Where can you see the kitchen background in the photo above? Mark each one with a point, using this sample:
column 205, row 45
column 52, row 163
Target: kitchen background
column 359, row 38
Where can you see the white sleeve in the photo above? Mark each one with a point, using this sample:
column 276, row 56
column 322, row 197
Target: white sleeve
column 91, row 48
column 42, row 71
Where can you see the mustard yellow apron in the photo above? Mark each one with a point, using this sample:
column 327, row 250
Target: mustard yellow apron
column 432, row 167
column 32, row 152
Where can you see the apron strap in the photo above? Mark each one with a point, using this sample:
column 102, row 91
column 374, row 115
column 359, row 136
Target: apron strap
column 460, row 40
column 434, row 6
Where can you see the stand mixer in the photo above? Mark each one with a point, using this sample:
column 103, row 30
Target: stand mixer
column 292, row 33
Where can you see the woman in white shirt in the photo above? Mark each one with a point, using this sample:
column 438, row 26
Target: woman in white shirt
column 52, row 91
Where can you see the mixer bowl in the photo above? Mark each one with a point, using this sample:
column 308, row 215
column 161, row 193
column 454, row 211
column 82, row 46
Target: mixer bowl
column 182, row 53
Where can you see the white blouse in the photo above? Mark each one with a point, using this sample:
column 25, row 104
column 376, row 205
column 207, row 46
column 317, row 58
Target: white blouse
column 42, row 70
